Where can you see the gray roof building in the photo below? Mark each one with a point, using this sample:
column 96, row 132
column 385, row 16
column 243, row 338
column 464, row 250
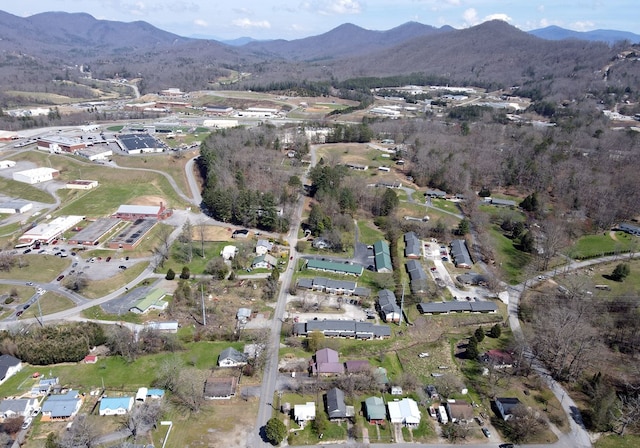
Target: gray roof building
column 417, row 276
column 388, row 306
column 343, row 328
column 630, row 228
column 335, row 266
column 457, row 307
column 336, row 408
column 413, row 245
column 460, row 254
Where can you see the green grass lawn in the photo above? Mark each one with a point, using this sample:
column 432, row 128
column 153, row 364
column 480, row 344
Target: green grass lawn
column 615, row 441
column 198, row 263
column 116, row 372
column 13, row 188
column 590, row 246
column 508, row 258
column 368, row 234
column 38, row 268
column 443, row 204
column 99, row 288
column 49, row 303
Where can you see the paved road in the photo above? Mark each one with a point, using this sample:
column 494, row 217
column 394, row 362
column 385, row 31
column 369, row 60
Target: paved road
column 271, row 369
column 191, row 180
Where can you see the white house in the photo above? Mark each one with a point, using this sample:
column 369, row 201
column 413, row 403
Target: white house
column 404, row 411
column 11, row 408
column 303, row 413
column 263, row 247
column 115, row 405
column 265, row 261
column 228, row 252
column 9, row 366
column 230, row 357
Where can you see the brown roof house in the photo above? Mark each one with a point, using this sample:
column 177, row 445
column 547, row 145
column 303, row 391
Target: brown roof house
column 459, row 411
column 327, row 362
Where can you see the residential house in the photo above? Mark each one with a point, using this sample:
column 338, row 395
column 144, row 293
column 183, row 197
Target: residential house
column 44, row 386
column 436, row 194
column 343, row 329
column 9, row 366
column 230, row 357
column 263, row 247
column 61, row 406
column 265, row 261
column 303, row 413
column 413, row 246
column 155, row 394
column 388, row 306
column 330, row 286
column 503, row 202
column 115, row 405
column 471, row 278
column 457, row 307
column 220, row 388
column 381, row 376
column 417, row 277
column 335, row 266
column 327, row 362
column 630, row 229
column 460, row 254
column 459, row 411
column 336, row 407
column 19, row 407
column 229, row 252
column 376, row 411
column 396, row 390
column 154, row 300
column 404, row 411
column 498, row 359
column 141, row 395
column 505, row 406
column 382, row 256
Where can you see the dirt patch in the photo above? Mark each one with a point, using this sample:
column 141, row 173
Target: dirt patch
column 148, row 200
column 213, row 233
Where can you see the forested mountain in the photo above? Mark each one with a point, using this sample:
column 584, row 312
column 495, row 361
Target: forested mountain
column 610, row 36
column 345, row 40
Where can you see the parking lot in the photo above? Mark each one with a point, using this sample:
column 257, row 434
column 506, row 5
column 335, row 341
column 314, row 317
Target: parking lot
column 327, row 306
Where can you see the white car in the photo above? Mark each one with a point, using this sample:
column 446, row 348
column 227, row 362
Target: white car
column 26, row 423
column 424, row 355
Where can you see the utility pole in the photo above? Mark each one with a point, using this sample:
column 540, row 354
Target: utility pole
column 401, row 306
column 204, row 315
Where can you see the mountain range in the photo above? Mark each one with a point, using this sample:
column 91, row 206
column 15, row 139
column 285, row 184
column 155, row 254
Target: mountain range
column 36, row 49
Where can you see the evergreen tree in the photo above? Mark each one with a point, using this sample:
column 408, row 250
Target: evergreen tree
column 479, row 334
column 170, row 274
column 275, row 430
column 186, row 273
column 472, row 348
column 621, row 272
column 495, row 331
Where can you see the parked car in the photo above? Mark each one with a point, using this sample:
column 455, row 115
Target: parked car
column 506, row 445
column 29, row 283
column 74, row 264
column 445, row 258
column 19, row 313
column 123, row 267
column 26, row 423
column 41, row 251
column 108, row 259
column 434, row 269
column 26, row 251
column 26, row 307
column 486, row 431
column 60, row 277
column 424, row 355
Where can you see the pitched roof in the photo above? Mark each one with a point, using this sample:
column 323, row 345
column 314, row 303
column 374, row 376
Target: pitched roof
column 113, row 403
column 375, row 408
column 460, row 253
column 457, row 306
column 63, row 405
column 413, row 245
column 508, row 403
column 382, row 256
column 358, row 365
column 326, row 355
column 16, row 406
column 153, row 298
column 336, row 408
column 9, row 361
column 334, row 266
column 232, row 354
column 387, row 302
column 405, row 410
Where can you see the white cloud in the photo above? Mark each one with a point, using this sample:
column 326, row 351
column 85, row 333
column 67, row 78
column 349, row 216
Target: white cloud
column 248, row 23
column 200, row 22
column 331, row 7
column 243, row 11
column 470, row 17
column 582, row 26
column 498, row 16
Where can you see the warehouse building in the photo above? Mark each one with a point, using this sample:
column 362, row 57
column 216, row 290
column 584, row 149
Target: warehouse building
column 90, row 235
column 139, row 143
column 47, row 232
column 81, row 184
column 15, row 206
column 36, row 175
column 57, row 144
column 135, row 212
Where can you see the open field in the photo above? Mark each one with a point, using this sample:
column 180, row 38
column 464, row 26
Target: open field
column 598, row 275
column 368, row 233
column 13, row 188
column 615, row 441
column 49, row 303
column 508, row 258
column 172, row 164
column 116, row 186
column 38, row 268
column 590, row 246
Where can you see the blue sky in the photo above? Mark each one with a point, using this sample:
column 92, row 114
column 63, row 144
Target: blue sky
column 293, row 19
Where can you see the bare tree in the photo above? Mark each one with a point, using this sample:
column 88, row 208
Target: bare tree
column 142, row 417
column 76, row 282
column 162, row 250
column 83, row 433
column 189, row 389
column 7, row 260
column 627, row 414
column 523, row 423
column 202, row 233
column 186, row 239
